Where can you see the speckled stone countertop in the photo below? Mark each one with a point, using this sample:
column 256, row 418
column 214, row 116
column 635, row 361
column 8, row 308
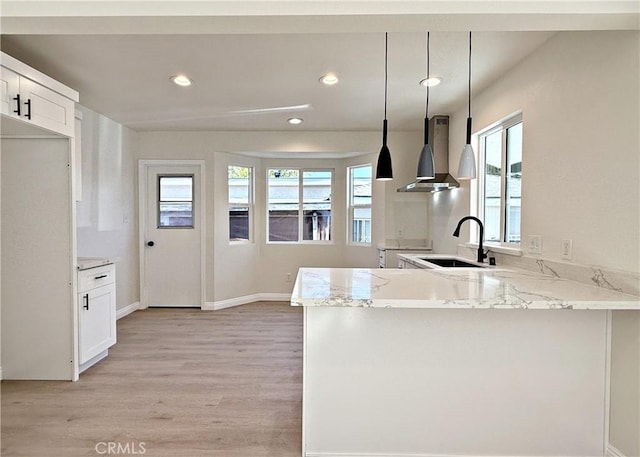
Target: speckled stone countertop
column 457, row 288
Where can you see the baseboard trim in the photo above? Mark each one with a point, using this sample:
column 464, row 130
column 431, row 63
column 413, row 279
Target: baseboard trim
column 395, row 454
column 237, row 301
column 122, row 312
column 0, row 373
column 91, row 362
column 376, row 454
column 613, row 451
column 366, row 454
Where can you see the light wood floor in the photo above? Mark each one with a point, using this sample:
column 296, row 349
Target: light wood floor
column 179, row 383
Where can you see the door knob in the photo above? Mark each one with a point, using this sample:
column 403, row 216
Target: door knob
column 150, row 243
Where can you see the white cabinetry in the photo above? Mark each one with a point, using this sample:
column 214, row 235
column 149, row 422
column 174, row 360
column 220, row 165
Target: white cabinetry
column 389, row 256
column 403, row 264
column 96, row 314
column 10, row 86
column 39, row 325
column 32, row 97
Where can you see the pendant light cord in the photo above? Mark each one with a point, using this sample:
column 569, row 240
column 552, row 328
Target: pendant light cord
column 386, row 50
column 426, row 110
column 469, row 74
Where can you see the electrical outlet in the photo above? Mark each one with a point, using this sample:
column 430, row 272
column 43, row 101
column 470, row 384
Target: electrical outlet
column 288, row 277
column 535, row 244
column 567, row 249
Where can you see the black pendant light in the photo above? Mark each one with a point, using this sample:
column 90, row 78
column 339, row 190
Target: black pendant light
column 384, row 171
column 467, row 165
column 426, row 166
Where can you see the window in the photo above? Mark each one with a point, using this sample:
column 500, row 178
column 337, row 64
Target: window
column 299, row 205
column 501, row 181
column 359, row 196
column 175, row 201
column 240, row 182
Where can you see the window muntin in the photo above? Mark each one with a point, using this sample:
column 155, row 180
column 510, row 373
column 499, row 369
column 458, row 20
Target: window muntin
column 240, row 185
column 501, row 181
column 175, row 201
column 299, row 205
column 359, row 201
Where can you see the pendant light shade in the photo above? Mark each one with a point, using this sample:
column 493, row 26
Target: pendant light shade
column 384, row 170
column 467, row 165
column 426, row 166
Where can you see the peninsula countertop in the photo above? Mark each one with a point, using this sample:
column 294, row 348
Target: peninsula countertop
column 459, row 288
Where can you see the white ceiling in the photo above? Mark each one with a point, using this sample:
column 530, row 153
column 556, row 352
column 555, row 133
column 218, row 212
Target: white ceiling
column 124, row 74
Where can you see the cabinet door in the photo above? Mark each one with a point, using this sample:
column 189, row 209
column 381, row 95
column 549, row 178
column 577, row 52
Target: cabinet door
column 76, row 146
column 9, row 87
column 97, row 321
column 46, row 108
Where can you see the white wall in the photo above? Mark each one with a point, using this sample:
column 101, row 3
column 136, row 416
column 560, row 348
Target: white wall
column 579, row 96
column 106, row 217
column 262, row 267
column 625, row 379
column 234, row 273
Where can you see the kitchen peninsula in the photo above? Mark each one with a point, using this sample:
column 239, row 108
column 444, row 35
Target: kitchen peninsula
column 454, row 362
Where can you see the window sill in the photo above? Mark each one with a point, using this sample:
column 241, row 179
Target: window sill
column 240, row 242
column 359, row 245
column 302, row 243
column 507, row 250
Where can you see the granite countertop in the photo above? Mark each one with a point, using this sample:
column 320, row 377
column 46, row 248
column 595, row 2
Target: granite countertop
column 457, row 288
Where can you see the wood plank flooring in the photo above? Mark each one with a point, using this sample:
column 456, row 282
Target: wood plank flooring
column 179, row 383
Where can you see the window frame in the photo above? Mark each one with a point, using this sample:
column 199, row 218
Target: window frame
column 300, row 240
column 502, row 126
column 351, row 207
column 250, row 204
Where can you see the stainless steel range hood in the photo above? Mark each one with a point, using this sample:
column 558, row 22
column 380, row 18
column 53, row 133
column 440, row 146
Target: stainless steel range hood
column 439, row 139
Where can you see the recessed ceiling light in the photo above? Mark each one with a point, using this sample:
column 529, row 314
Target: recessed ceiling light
column 432, row 81
column 329, row 79
column 294, row 121
column 181, row 80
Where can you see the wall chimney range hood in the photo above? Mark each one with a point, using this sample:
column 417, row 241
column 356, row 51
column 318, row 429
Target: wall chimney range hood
column 439, row 139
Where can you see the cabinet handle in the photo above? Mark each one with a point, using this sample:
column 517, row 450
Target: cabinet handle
column 17, row 99
column 100, row 277
column 85, row 297
column 28, row 103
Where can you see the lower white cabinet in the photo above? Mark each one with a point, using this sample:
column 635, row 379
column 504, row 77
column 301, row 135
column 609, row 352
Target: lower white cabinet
column 96, row 313
column 404, row 265
column 389, row 256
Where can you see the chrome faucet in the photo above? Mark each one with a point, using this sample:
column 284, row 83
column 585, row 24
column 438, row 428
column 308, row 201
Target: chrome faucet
column 481, row 254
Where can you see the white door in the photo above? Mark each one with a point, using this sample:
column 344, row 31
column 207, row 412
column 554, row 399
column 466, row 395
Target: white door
column 173, row 246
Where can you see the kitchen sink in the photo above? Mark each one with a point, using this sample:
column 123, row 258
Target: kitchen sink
column 451, row 262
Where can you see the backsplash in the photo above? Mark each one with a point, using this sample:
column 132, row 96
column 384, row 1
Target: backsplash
column 620, row 281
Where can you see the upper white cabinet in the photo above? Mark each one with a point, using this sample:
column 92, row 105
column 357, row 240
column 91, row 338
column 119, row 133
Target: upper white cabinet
column 34, row 98
column 10, row 85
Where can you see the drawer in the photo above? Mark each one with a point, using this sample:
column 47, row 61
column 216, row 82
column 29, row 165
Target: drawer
column 96, row 277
